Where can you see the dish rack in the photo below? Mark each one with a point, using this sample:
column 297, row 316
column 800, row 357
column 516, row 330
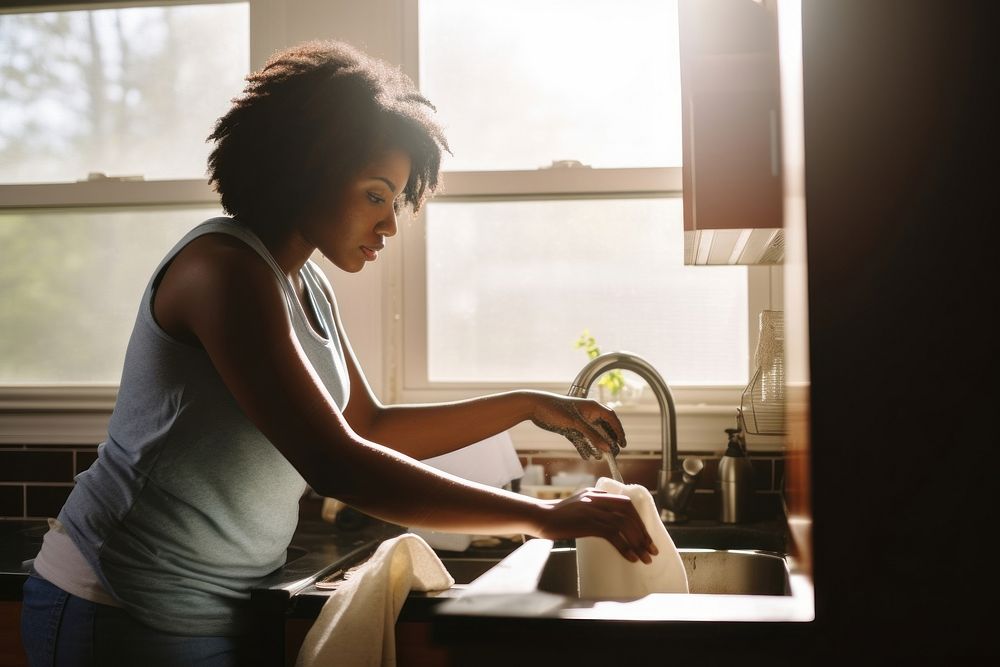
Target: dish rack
column 762, row 404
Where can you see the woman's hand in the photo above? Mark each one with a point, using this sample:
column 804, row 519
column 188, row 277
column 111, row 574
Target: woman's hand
column 593, row 513
column 590, row 426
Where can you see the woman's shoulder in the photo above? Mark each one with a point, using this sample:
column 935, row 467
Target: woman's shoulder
column 218, row 254
column 212, row 273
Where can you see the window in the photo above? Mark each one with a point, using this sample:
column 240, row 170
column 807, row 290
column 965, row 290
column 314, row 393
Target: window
column 564, row 119
column 102, row 160
column 130, row 91
column 561, row 206
column 70, row 284
column 522, row 83
column 512, row 284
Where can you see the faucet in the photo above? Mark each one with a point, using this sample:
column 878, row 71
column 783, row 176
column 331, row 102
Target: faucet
column 675, row 483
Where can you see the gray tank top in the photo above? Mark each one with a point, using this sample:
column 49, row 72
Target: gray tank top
column 188, row 504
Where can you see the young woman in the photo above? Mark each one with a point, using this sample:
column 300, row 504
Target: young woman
column 240, row 388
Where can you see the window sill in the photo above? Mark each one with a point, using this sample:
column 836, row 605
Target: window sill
column 55, row 415
column 58, row 398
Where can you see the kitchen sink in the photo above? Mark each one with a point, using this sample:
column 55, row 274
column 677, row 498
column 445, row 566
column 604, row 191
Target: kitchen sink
column 539, row 581
column 708, row 570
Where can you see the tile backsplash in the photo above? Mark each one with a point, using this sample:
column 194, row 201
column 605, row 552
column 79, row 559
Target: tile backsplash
column 35, row 480
column 768, row 476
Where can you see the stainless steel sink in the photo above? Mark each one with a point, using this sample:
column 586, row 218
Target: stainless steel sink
column 708, row 570
column 540, row 581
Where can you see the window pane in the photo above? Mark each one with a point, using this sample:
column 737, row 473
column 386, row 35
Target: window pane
column 512, row 285
column 521, row 83
column 121, row 91
column 70, row 285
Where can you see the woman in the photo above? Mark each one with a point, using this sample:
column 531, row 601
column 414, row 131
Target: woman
column 240, row 388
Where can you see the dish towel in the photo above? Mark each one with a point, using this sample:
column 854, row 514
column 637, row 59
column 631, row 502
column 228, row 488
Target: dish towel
column 356, row 626
column 605, row 574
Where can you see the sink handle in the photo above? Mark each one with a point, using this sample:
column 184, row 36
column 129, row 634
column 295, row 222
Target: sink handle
column 679, row 493
column 692, row 468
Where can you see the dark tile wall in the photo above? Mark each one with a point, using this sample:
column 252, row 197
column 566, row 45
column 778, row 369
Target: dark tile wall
column 35, row 480
column 12, row 500
column 768, row 476
column 768, row 468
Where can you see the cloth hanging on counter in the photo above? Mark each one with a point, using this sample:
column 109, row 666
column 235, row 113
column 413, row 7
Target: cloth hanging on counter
column 605, row 574
column 356, row 626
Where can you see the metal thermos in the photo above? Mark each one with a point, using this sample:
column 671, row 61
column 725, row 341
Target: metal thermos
column 735, row 479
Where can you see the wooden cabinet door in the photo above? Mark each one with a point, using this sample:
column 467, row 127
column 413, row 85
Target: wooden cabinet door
column 730, row 90
column 11, row 651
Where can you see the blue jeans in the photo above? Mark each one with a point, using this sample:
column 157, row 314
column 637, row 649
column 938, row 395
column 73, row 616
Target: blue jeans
column 61, row 629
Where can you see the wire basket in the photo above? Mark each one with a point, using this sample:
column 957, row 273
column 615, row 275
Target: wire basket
column 762, row 405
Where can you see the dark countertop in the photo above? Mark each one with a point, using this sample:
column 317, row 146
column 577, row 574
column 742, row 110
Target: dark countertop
column 464, row 622
column 316, row 548
column 510, row 603
column 319, row 548
column 292, row 591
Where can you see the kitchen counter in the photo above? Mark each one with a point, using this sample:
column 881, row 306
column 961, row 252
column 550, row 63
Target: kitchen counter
column 514, row 615
column 470, row 622
column 316, row 548
column 471, row 619
column 319, row 548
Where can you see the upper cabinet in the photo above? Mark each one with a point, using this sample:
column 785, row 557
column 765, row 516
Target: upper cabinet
column 731, row 119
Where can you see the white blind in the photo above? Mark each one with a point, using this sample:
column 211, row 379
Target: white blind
column 521, row 83
column 512, row 285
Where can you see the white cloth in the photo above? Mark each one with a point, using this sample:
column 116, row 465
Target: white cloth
column 356, row 626
column 491, row 461
column 605, row 574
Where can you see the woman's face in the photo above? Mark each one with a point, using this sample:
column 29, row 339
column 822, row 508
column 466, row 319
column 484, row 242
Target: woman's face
column 354, row 231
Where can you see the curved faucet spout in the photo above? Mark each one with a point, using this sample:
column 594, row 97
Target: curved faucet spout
column 674, row 484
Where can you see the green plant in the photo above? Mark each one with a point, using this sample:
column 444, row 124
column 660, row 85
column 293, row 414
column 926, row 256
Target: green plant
column 613, row 381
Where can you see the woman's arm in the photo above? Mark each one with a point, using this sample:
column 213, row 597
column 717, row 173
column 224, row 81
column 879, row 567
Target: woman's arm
column 427, row 430
column 221, row 295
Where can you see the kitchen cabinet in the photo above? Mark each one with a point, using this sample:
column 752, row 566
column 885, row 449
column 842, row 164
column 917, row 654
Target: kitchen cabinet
column 731, row 121
column 11, row 651
column 414, row 645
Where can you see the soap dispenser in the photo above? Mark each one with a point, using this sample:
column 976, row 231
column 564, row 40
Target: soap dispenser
column 735, row 482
